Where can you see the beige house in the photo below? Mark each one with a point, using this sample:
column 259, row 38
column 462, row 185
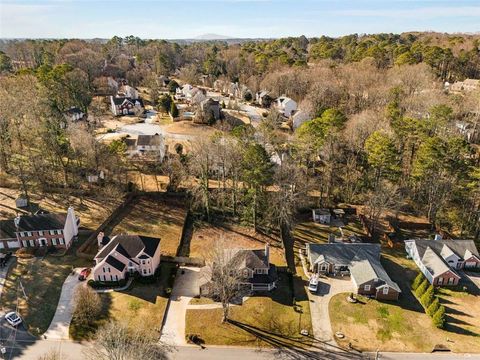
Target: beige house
column 126, row 254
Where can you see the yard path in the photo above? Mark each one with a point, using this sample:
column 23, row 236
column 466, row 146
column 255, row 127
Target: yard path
column 60, row 324
column 327, row 288
column 185, row 288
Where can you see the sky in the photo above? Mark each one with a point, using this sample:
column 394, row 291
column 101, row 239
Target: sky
column 178, row 19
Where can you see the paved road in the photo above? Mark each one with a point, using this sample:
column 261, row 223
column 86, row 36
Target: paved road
column 4, row 272
column 75, row 351
column 58, row 328
column 185, row 288
column 327, row 288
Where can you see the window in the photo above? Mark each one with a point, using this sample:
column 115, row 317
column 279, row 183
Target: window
column 22, row 234
column 40, row 233
column 59, row 232
column 440, row 281
column 54, row 241
column 144, row 272
column 385, row 290
column 61, row 241
column 108, row 269
column 451, row 281
column 52, row 232
column 143, row 262
column 32, row 243
column 367, row 287
column 29, row 233
column 25, row 243
column 104, row 269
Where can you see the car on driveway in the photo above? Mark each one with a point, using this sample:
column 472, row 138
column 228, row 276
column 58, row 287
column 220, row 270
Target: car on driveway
column 84, row 274
column 13, row 318
column 313, row 284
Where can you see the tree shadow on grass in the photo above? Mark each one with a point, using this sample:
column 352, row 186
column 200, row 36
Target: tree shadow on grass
column 295, row 347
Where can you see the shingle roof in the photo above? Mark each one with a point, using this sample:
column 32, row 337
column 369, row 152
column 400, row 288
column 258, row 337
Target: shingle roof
column 434, row 263
column 130, row 246
column 251, row 259
column 37, row 222
column 117, row 264
column 152, row 140
column 459, row 247
column 370, row 268
column 341, row 253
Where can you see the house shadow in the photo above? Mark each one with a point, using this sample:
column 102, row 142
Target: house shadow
column 454, row 328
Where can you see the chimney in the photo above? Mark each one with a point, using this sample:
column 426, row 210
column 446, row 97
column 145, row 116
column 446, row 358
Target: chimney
column 267, row 251
column 72, row 219
column 16, row 221
column 100, row 239
column 438, row 237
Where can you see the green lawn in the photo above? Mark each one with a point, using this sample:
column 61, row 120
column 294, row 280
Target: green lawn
column 42, row 280
column 267, row 319
column 142, row 306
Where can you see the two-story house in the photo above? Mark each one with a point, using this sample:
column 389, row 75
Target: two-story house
column 253, row 266
column 39, row 230
column 126, row 254
column 285, row 106
column 125, row 106
column 152, row 146
column 439, row 259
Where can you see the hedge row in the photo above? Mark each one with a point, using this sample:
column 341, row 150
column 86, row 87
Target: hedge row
column 425, row 293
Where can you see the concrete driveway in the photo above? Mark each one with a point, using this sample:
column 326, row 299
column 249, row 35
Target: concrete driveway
column 327, row 288
column 58, row 328
column 185, row 288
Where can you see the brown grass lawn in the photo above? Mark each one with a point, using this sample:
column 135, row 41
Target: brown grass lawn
column 42, row 280
column 403, row 325
column 92, row 212
column 265, row 320
column 156, row 218
column 311, row 232
column 205, row 235
column 142, row 306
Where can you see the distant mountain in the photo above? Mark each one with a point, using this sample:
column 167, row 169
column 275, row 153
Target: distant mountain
column 213, row 37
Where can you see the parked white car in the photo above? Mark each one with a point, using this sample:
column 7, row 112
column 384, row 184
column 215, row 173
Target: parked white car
column 13, row 318
column 313, row 284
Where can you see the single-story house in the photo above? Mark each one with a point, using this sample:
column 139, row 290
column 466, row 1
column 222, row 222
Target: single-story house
column 125, row 105
column 257, row 274
column 39, row 230
column 285, row 106
column 126, row 254
column 263, row 98
column 440, row 259
column 360, row 261
column 74, row 114
column 322, row 216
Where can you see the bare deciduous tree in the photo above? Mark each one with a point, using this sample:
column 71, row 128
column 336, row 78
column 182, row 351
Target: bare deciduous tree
column 117, row 341
column 87, row 305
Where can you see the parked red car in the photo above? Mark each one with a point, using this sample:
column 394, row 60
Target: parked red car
column 84, row 274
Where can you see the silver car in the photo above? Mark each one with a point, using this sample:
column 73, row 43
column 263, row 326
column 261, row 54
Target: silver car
column 13, row 318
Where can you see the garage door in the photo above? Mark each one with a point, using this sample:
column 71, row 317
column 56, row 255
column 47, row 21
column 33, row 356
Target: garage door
column 470, row 264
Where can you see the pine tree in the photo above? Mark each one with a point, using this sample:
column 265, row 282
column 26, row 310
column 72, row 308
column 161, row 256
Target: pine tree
column 418, row 280
column 422, row 288
column 174, row 110
column 432, row 309
column 439, row 317
column 427, row 298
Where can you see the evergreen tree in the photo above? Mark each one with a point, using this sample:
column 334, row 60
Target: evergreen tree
column 173, row 110
column 427, row 298
column 432, row 309
column 422, row 288
column 418, row 280
column 439, row 317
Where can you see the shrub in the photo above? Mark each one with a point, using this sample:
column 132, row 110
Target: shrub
column 25, row 253
column 422, row 288
column 432, row 309
column 427, row 298
column 439, row 317
column 418, row 280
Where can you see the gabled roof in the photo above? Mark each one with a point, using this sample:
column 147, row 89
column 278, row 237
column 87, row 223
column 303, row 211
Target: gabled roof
column 251, row 259
column 152, row 140
column 342, row 253
column 74, row 110
column 117, row 264
column 119, row 100
column 130, row 246
column 369, row 269
column 37, row 222
column 434, row 263
column 459, row 247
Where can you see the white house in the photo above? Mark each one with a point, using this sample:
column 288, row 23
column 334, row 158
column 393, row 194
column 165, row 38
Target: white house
column 285, row 106
column 146, row 145
column 126, row 254
column 128, row 91
column 125, row 105
column 74, row 114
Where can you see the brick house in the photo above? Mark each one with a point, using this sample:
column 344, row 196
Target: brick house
column 440, row 259
column 39, row 230
column 126, row 254
column 359, row 261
